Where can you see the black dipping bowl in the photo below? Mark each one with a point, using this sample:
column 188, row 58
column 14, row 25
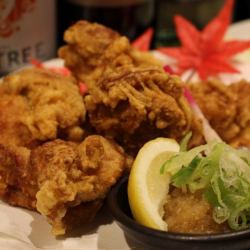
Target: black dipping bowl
column 156, row 239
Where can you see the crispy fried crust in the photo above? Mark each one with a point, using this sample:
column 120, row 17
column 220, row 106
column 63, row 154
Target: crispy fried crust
column 130, row 97
column 227, row 108
column 12, row 128
column 134, row 105
column 242, row 90
column 14, row 169
column 36, row 105
column 91, row 46
column 86, row 44
column 59, row 177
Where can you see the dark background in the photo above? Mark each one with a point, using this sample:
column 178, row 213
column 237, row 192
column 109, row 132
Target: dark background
column 242, row 10
column 128, row 20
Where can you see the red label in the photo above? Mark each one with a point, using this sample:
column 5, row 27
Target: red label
column 11, row 12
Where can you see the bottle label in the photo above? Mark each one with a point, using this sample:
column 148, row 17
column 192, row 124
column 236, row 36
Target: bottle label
column 27, row 31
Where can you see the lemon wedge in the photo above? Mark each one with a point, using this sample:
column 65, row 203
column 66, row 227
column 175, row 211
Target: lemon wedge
column 147, row 187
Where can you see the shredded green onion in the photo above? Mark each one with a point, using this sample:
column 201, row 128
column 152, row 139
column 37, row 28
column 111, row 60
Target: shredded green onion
column 222, row 172
column 184, row 142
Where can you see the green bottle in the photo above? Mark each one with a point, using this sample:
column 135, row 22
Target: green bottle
column 199, row 12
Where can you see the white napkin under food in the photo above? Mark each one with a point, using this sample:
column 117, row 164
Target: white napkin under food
column 21, row 229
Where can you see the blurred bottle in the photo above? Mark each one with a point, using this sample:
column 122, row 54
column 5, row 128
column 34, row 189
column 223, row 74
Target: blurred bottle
column 199, row 12
column 129, row 17
column 242, row 10
column 27, row 30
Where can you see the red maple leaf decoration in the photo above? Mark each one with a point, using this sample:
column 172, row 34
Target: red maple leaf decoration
column 143, row 42
column 205, row 51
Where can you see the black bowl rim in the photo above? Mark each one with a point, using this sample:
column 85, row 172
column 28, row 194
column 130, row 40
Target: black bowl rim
column 131, row 224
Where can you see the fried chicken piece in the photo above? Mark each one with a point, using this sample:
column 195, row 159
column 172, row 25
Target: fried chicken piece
column 61, row 179
column 91, row 45
column 87, row 44
column 134, row 105
column 227, row 108
column 38, row 105
column 242, row 90
column 14, row 170
column 13, row 131
column 130, row 97
column 218, row 104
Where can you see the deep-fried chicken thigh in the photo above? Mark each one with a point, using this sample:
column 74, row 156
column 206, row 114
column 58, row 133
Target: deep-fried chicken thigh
column 91, row 46
column 130, row 97
column 14, row 164
column 12, row 128
column 218, row 104
column 227, row 108
column 38, row 105
column 134, row 105
column 86, row 44
column 242, row 90
column 59, row 177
